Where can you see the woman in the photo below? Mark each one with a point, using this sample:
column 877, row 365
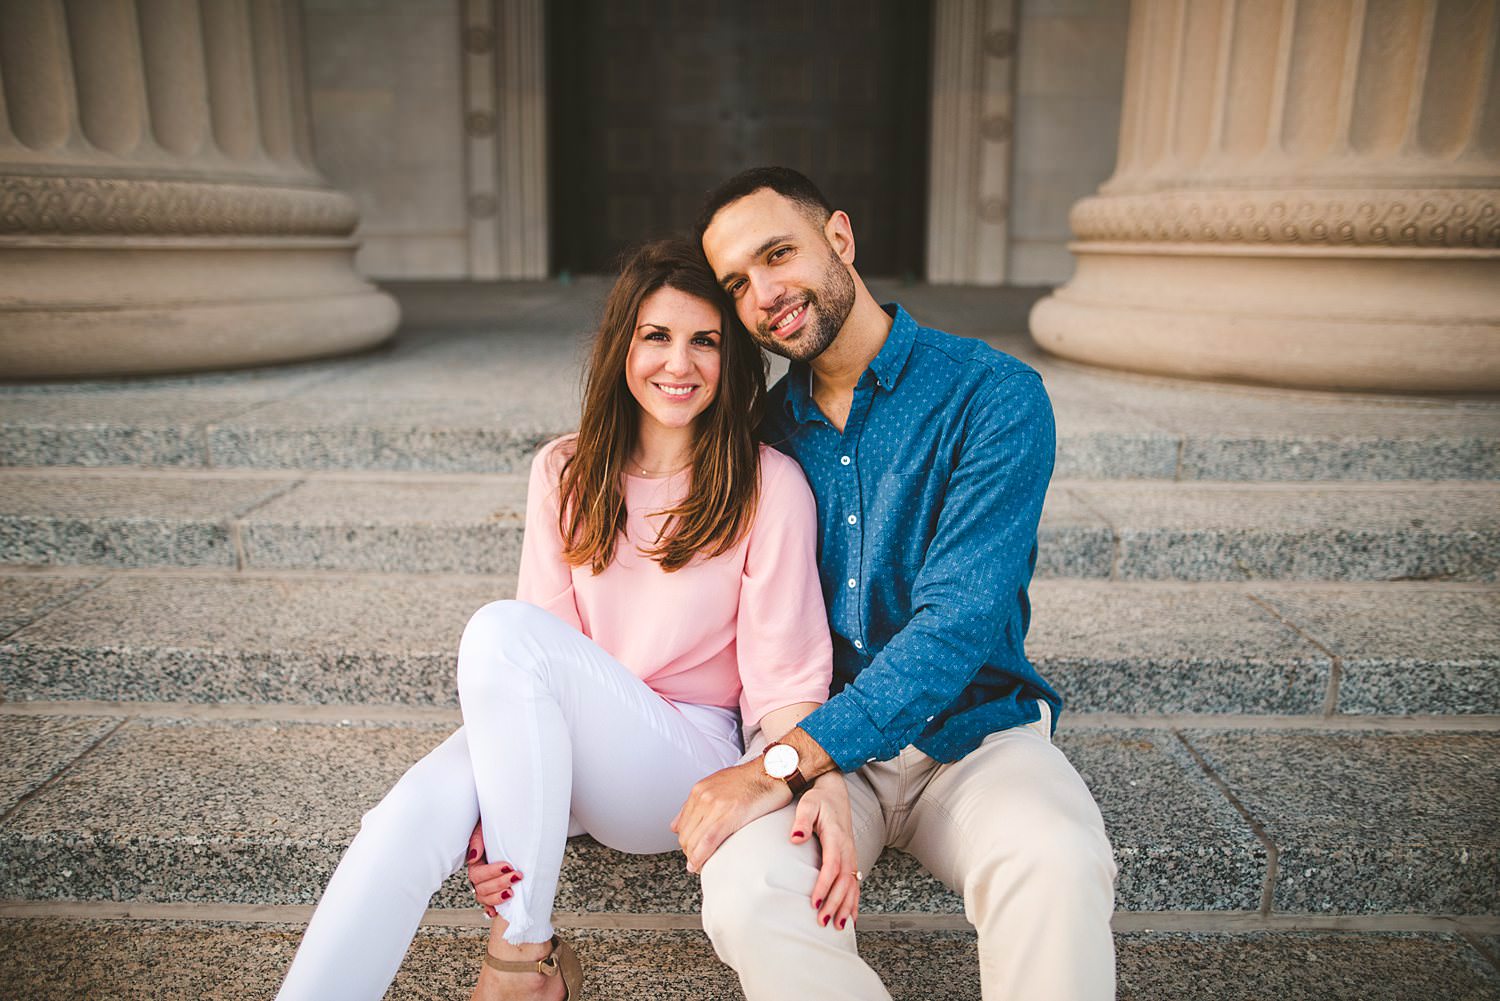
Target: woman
column 667, row 576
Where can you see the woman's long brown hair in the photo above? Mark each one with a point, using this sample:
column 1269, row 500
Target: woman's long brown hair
column 720, row 502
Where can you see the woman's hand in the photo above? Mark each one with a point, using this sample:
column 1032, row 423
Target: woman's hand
column 491, row 880
column 824, row 811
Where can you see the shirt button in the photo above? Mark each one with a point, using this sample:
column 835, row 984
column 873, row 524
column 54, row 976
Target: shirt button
column 858, row 645
column 853, row 582
column 931, row 718
column 854, row 519
column 843, row 460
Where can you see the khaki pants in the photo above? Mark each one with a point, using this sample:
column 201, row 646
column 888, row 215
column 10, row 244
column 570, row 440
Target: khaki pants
column 1011, row 827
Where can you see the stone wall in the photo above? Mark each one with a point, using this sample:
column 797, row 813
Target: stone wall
column 1070, row 73
column 386, row 84
column 384, row 81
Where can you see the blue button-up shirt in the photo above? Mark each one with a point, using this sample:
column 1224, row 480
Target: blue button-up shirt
column 928, row 504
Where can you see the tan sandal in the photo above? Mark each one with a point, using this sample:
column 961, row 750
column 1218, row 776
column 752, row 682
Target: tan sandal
column 561, row 961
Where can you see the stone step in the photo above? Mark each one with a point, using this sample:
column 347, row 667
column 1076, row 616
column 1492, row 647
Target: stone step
column 414, row 438
column 257, row 811
column 55, row 959
column 472, row 524
column 479, row 401
column 1122, row 647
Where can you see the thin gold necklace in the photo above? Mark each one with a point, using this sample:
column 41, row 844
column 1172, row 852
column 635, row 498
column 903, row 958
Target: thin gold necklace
column 661, row 472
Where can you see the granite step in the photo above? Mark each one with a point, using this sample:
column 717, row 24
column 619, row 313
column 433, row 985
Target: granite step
column 481, row 399
column 52, row 959
column 472, row 524
column 1228, row 821
column 442, row 436
column 1271, row 648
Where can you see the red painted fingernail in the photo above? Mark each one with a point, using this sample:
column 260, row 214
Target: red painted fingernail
column 505, row 895
column 516, row 878
column 796, row 834
column 473, row 854
column 842, row 922
column 825, row 919
column 504, row 869
column 817, row 903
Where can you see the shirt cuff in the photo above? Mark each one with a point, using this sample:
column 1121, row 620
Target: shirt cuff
column 843, row 729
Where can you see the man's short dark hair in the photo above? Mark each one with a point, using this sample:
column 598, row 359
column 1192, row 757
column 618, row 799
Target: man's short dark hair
column 785, row 181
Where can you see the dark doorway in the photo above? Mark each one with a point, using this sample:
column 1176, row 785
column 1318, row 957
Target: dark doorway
column 653, row 102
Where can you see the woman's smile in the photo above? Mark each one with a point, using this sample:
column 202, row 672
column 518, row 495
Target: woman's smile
column 676, row 391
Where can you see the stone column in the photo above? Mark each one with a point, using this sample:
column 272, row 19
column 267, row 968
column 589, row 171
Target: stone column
column 1307, row 194
column 159, row 207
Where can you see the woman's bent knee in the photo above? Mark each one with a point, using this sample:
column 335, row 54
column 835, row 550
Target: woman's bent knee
column 500, row 620
column 498, row 639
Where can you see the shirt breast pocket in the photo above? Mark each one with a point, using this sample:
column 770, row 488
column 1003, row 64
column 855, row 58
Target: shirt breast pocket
column 901, row 512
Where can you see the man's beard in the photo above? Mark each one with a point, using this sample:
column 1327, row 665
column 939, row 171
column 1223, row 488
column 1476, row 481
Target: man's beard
column 831, row 303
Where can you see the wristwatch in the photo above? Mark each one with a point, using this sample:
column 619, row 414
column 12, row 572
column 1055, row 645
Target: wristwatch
column 782, row 762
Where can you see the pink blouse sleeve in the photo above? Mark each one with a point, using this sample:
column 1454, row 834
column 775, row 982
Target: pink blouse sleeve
column 545, row 579
column 785, row 654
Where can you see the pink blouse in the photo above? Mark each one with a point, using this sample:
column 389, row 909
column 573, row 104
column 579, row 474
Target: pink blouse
column 747, row 627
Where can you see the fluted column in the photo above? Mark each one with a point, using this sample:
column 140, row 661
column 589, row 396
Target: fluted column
column 1307, row 194
column 159, row 208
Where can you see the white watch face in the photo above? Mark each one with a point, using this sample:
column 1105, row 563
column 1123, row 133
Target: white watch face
column 781, row 761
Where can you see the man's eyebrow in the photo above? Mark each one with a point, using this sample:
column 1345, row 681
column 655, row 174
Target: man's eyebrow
column 760, row 251
column 773, row 241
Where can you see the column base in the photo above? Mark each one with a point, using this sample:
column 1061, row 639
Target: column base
column 152, row 308
column 1389, row 324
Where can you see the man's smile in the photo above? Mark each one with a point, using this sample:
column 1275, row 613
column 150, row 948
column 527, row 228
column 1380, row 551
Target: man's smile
column 789, row 322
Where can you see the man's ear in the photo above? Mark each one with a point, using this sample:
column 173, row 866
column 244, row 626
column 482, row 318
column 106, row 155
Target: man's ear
column 840, row 235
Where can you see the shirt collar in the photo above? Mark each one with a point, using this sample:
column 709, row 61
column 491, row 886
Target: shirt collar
column 886, row 366
column 891, row 361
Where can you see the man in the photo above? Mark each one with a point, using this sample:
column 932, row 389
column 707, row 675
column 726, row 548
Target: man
column 929, row 456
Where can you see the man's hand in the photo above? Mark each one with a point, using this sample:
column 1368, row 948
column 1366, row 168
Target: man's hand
column 491, row 880
column 721, row 804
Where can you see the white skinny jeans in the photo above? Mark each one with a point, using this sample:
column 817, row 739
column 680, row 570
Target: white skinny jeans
column 558, row 739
